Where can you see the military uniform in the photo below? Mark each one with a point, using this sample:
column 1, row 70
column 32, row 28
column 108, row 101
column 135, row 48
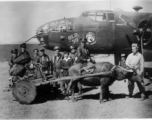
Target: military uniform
column 25, row 52
column 33, row 64
column 73, row 55
column 136, row 62
column 35, row 57
column 83, row 54
column 45, row 62
column 56, row 63
column 84, row 57
column 122, row 63
column 11, row 62
column 66, row 63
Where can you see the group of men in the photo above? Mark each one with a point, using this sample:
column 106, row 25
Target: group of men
column 59, row 64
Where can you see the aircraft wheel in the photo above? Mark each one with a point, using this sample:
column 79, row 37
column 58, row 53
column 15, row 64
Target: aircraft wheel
column 24, row 91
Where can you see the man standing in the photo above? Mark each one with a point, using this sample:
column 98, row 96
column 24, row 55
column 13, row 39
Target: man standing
column 135, row 61
column 56, row 62
column 73, row 54
column 44, row 61
column 35, row 56
column 32, row 65
column 11, row 62
column 56, row 65
column 66, row 63
column 122, row 62
column 23, row 49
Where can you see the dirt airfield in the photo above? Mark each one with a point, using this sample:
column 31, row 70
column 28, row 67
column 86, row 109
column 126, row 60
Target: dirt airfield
column 87, row 107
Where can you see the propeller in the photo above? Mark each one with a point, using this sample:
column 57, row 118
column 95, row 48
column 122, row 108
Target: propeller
column 142, row 32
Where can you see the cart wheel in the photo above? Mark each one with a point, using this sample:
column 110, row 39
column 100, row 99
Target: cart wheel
column 24, row 92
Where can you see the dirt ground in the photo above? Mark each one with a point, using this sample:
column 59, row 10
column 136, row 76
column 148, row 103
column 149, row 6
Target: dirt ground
column 88, row 107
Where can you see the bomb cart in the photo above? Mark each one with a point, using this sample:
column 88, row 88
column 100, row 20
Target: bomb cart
column 24, row 84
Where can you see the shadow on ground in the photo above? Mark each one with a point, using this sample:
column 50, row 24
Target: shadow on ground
column 96, row 96
column 48, row 93
column 147, row 93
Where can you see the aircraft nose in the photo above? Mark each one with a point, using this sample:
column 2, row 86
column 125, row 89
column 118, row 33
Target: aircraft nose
column 42, row 37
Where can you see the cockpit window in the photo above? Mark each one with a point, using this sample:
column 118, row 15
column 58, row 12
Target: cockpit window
column 111, row 16
column 100, row 16
column 69, row 25
column 90, row 15
column 62, row 25
column 54, row 26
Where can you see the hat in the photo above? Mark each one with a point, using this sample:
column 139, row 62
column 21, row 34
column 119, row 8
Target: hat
column 14, row 51
column 56, row 48
column 72, row 47
column 135, row 45
column 42, row 50
column 23, row 45
column 36, row 49
column 122, row 55
column 83, row 40
column 66, row 52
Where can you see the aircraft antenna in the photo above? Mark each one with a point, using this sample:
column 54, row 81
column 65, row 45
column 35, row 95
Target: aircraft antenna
column 65, row 23
column 110, row 4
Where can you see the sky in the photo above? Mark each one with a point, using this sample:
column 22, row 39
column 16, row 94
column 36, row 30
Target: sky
column 20, row 19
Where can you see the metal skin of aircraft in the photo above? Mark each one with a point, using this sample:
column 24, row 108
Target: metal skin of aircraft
column 107, row 32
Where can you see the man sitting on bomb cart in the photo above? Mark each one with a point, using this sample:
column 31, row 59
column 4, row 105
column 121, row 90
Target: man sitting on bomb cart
column 84, row 57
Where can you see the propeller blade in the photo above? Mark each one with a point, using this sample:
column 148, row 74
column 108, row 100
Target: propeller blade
column 129, row 22
column 129, row 40
column 137, row 37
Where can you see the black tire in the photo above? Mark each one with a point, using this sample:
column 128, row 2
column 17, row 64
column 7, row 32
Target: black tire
column 24, row 91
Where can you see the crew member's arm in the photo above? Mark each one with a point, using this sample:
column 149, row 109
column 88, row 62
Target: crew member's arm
column 127, row 62
column 119, row 63
column 80, row 56
column 10, row 62
column 51, row 65
column 141, row 64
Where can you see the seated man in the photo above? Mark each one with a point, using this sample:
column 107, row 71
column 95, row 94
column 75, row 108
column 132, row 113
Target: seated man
column 90, row 66
column 83, row 55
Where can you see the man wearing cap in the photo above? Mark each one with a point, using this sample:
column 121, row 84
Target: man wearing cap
column 23, row 49
column 83, row 52
column 135, row 61
column 83, row 55
column 122, row 62
column 73, row 54
column 44, row 61
column 35, row 56
column 34, row 61
column 11, row 62
column 56, row 62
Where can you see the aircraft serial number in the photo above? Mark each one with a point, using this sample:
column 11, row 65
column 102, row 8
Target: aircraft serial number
column 73, row 38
